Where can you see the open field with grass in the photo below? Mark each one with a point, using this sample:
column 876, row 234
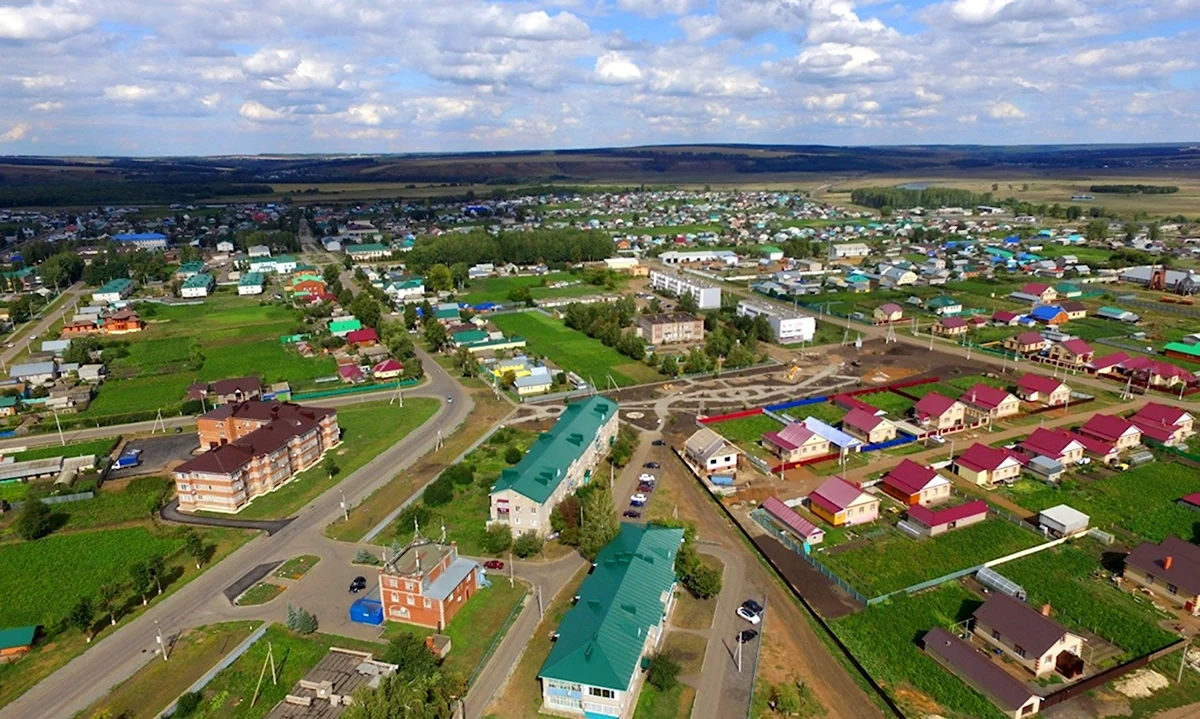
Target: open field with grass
column 367, row 430
column 99, row 447
column 496, row 289
column 826, row 412
column 746, row 431
column 895, row 405
column 914, row 681
column 898, row 561
column 1107, row 497
column 147, row 693
column 575, row 351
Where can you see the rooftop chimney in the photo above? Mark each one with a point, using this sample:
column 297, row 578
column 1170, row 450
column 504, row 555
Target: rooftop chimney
column 1168, row 562
column 1045, row 610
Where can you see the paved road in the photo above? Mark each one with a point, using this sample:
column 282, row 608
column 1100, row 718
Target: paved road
column 119, row 654
column 21, row 338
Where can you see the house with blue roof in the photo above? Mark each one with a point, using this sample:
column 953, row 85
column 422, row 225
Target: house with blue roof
column 143, row 240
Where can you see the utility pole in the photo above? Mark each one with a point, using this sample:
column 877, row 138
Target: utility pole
column 541, row 609
column 345, row 512
column 511, row 570
column 737, row 638
column 58, row 424
column 161, row 644
column 1183, row 659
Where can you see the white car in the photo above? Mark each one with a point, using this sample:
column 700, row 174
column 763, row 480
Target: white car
column 748, row 615
column 639, row 497
column 646, row 478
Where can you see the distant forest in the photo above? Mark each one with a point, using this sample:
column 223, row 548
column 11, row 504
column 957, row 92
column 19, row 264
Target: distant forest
column 159, row 191
column 521, row 248
column 1134, row 189
column 898, row 198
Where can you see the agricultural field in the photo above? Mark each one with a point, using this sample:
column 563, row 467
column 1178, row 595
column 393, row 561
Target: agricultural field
column 1074, row 581
column 895, row 405
column 116, row 503
column 496, row 289
column 575, row 351
column 898, row 561
column 99, row 447
column 914, row 681
column 746, row 431
column 1107, row 497
column 825, row 411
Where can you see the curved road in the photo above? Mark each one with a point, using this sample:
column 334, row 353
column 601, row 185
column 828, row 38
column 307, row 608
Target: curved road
column 119, row 654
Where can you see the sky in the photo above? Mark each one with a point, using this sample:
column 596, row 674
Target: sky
column 116, row 77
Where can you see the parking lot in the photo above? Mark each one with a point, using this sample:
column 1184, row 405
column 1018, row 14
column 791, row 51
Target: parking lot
column 159, row 454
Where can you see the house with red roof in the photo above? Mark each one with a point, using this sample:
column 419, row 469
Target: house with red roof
column 850, row 402
column 1004, row 318
column 889, row 312
column 795, row 443
column 1042, row 389
column 351, row 374
column 1109, row 365
column 1155, row 373
column 1164, row 423
column 914, row 483
column 843, row 504
column 986, row 466
column 1044, row 293
column 938, row 412
column 868, row 426
column 365, row 337
column 791, row 522
column 1054, row 444
column 1117, row 431
column 1074, row 352
column 933, row 523
column 951, row 327
column 390, row 368
column 1027, row 343
column 986, row 401
column 1097, row 449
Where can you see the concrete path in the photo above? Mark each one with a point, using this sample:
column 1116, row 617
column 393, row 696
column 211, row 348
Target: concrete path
column 171, row 513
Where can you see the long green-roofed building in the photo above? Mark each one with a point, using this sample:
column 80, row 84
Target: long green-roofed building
column 593, row 667
column 558, row 462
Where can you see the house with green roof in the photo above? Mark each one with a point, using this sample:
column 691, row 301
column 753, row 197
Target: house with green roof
column 16, row 641
column 344, row 326
column 557, row 462
column 1068, row 290
column 187, row 269
column 251, row 283
column 368, row 251
column 113, row 291
column 198, row 285
column 943, row 305
column 594, row 666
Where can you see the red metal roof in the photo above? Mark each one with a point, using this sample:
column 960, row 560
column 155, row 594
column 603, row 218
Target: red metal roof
column 1107, row 427
column 982, row 457
column 1077, row 347
column 791, row 437
column 986, row 396
column 910, row 477
column 835, row 494
column 1047, row 442
column 1038, row 383
column 785, row 514
column 933, row 405
column 861, row 419
column 930, row 518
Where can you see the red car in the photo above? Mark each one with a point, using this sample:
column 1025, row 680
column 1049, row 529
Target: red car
column 493, row 564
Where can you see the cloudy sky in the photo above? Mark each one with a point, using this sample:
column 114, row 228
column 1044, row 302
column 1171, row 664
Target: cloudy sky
column 251, row 76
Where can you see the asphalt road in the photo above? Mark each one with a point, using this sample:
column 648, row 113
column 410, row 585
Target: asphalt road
column 21, row 338
column 119, row 654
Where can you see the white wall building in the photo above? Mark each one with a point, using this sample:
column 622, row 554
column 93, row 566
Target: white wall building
column 683, row 258
column 849, row 250
column 787, row 325
column 707, row 295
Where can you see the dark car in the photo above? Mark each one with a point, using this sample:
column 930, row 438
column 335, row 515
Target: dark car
column 493, row 564
column 753, row 606
column 658, row 443
column 637, row 503
column 652, row 465
column 643, row 487
column 632, row 513
column 747, row 634
column 358, row 584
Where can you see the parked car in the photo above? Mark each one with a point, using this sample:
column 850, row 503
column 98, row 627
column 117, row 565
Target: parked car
column 753, row 606
column 358, row 584
column 748, row 615
column 495, row 564
column 632, row 513
column 643, row 487
column 747, row 635
column 658, row 443
column 639, row 497
column 449, row 399
column 652, row 465
column 646, row 477
column 637, row 503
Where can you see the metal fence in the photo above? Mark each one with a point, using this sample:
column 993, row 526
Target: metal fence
column 786, row 540
column 60, row 499
column 341, row 391
column 783, row 406
column 888, row 444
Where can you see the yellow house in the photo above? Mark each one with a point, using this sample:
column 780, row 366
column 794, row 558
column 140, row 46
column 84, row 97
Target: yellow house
column 986, row 466
column 795, row 443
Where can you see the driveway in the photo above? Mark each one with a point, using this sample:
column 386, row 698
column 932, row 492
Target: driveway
column 159, row 454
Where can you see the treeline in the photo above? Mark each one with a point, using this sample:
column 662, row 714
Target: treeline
column 902, row 199
column 551, row 246
column 609, row 323
column 60, row 194
column 1134, row 189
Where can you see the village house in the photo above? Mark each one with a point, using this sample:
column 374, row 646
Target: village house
column 1004, row 318
column 789, row 521
column 986, row 466
column 1045, row 390
column 951, row 327
column 1029, row 637
column 1051, row 315
column 710, row 453
column 1117, row 431
column 1073, row 353
column 1026, row 343
column 939, row 413
column 16, row 642
column 932, row 522
column 1053, row 444
column 1012, row 696
column 843, row 504
column 427, row 583
column 1170, row 570
column 986, row 401
column 943, row 306
column 1163, row 423
column 123, row 321
column 868, row 426
column 889, row 312
column 226, row 391
column 1075, row 310
column 913, row 483
column 1044, row 293
column 796, row 443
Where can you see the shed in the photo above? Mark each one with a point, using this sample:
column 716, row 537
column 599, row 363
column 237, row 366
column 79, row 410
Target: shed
column 1045, row 468
column 1063, row 521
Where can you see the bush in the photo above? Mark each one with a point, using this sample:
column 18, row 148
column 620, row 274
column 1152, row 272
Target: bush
column 704, row 582
column 414, row 515
column 527, row 545
column 187, row 704
column 439, row 492
column 35, row 521
column 664, row 673
column 497, row 539
column 512, row 455
column 460, row 473
column 364, row 556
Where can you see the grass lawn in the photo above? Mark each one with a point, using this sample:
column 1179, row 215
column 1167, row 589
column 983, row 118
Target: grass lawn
column 260, row 593
column 965, row 382
column 826, row 412
column 830, row 467
column 893, row 404
column 476, row 629
column 692, row 613
column 746, row 430
column 898, row 561
column 98, row 447
column 465, row 516
column 230, row 691
column 575, row 351
column 372, row 510
column 496, row 289
column 825, row 334
column 1107, row 498
column 156, row 685
column 297, row 567
column 1065, row 577
column 13, row 491
column 116, row 505
column 675, row 703
column 368, row 429
column 24, row 566
column 914, row 681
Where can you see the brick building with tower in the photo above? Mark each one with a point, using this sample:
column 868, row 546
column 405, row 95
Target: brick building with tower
column 427, row 583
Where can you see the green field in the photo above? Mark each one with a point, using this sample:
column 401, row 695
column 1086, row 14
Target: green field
column 1108, row 497
column 746, row 430
column 898, row 561
column 826, row 412
column 496, row 289
column 896, row 406
column 29, row 598
column 883, row 638
column 367, row 429
column 575, row 351
column 98, row 447
column 136, row 500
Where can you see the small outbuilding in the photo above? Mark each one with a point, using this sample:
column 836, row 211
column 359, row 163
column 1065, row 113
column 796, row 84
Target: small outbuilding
column 1063, row 521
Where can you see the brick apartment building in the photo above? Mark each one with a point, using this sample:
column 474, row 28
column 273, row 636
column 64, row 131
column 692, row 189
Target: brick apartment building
column 670, row 327
column 427, row 583
column 254, row 448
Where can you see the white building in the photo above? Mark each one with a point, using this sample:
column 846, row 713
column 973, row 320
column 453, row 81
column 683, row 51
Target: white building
column 198, row 285
column 225, row 246
column 849, row 250
column 707, row 295
column 683, row 258
column 788, row 326
column 259, row 251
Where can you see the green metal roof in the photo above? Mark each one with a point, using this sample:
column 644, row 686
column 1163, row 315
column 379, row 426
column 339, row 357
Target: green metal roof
column 251, row 279
column 600, row 640
column 1181, row 348
column 447, row 313
column 766, row 249
column 543, row 467
column 368, row 247
column 17, row 637
column 469, row 337
column 348, row 325
column 943, row 301
column 200, row 279
column 193, row 267
column 116, row 285
column 8, row 400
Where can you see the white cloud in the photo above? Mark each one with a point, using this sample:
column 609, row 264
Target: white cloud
column 47, row 106
column 42, row 21
column 257, row 112
column 369, row 113
column 16, row 132
column 129, row 93
column 655, row 8
column 1004, row 110
column 825, row 102
column 614, row 68
column 838, row 60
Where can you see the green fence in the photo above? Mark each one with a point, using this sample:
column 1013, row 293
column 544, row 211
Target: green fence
column 357, row 389
column 1154, row 443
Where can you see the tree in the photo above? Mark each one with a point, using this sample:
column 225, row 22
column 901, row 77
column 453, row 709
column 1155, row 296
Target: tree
column 436, row 336
column 187, row 704
column 366, row 308
column 194, row 546
column 460, row 273
column 497, row 539
column 300, row 621
column 1096, row 230
column 35, row 521
column 465, row 361
column 527, row 545
column 81, row 616
column 108, row 593
column 664, row 673
column 460, row 473
column 669, row 366
column 410, row 655
column 429, row 696
column 410, row 315
column 600, row 525
column 521, row 294
column 703, row 582
column 330, row 273
column 512, row 455
column 440, row 491
column 330, row 466
column 156, row 567
column 439, row 279
column 564, row 519
column 139, row 577
column 195, row 356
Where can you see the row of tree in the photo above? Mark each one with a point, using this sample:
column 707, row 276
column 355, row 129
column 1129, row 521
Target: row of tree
column 901, row 198
column 1134, row 189
column 551, row 246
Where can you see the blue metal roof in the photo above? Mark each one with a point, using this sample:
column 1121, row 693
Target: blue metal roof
column 441, row 587
column 832, row 434
column 139, row 237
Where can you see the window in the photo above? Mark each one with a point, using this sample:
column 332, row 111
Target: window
column 995, row 635
column 602, row 692
column 1172, row 589
column 411, row 600
column 395, row 596
column 427, row 603
column 1149, row 579
column 1020, row 650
